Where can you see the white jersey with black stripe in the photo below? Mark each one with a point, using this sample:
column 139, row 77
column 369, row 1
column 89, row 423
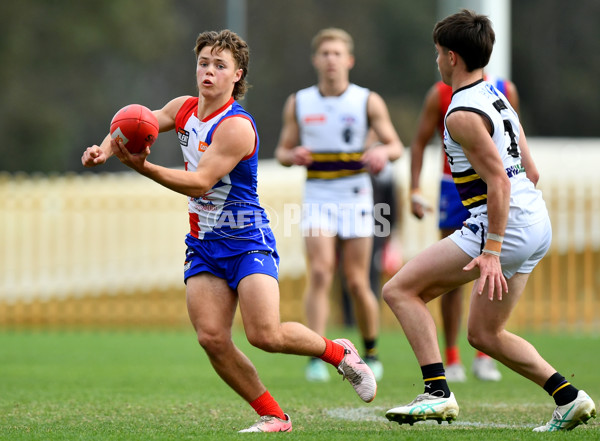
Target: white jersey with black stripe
column 526, row 203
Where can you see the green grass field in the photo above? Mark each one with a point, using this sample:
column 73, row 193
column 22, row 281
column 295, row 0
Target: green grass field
column 135, row 385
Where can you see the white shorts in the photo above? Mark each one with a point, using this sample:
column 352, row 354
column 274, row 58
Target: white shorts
column 522, row 249
column 341, row 207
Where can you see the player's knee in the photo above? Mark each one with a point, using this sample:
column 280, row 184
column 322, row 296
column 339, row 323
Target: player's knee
column 321, row 275
column 356, row 286
column 213, row 342
column 389, row 293
column 263, row 339
column 480, row 340
column 473, row 339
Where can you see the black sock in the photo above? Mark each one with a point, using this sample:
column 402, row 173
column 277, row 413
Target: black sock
column 370, row 348
column 560, row 389
column 434, row 377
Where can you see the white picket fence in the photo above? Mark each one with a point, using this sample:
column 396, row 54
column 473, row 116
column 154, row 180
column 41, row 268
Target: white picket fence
column 90, row 234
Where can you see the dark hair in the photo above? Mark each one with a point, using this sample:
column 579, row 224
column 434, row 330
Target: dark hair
column 469, row 35
column 227, row 39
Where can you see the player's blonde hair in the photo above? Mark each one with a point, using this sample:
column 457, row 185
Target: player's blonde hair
column 227, row 39
column 332, row 34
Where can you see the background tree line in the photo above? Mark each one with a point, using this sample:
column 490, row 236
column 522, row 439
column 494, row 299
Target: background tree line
column 67, row 66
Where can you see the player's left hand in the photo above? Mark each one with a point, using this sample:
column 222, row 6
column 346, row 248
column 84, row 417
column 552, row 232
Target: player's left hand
column 136, row 161
column 375, row 159
column 93, row 156
column 490, row 272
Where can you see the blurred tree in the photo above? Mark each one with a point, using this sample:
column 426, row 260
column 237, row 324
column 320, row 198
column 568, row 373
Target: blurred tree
column 556, row 66
column 67, row 66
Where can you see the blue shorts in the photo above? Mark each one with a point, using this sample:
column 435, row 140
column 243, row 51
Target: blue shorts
column 452, row 212
column 233, row 259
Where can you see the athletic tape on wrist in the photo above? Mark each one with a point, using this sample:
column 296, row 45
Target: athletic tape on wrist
column 496, row 237
column 492, row 252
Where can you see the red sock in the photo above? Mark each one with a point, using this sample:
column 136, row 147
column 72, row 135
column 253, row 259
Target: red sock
column 480, row 354
column 452, row 355
column 334, row 353
column 266, row 405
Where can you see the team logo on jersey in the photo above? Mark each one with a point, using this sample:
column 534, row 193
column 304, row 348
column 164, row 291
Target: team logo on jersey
column 347, row 134
column 202, row 146
column 491, row 89
column 183, row 136
column 205, row 202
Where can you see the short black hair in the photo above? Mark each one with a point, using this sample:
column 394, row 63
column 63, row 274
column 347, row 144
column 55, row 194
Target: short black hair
column 468, row 34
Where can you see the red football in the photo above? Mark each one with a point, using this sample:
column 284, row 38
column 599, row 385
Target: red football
column 136, row 125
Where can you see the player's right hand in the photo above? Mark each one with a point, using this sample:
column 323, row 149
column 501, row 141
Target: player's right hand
column 419, row 205
column 301, row 156
column 93, row 156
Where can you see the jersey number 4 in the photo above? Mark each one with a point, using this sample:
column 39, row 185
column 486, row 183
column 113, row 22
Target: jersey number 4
column 513, row 148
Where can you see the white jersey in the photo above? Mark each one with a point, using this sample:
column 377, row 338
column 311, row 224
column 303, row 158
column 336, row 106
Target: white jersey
column 338, row 195
column 526, row 203
column 334, row 128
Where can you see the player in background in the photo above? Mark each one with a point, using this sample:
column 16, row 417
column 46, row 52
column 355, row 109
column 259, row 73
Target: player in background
column 231, row 253
column 325, row 129
column 507, row 234
column 452, row 214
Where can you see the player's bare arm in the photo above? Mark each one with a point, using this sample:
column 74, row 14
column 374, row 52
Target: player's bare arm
column 473, row 133
column 99, row 154
column 513, row 95
column 166, row 121
column 390, row 147
column 527, row 160
column 427, row 125
column 288, row 152
column 232, row 141
column 166, row 116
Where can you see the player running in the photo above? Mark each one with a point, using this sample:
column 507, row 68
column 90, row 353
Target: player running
column 231, row 253
column 507, row 234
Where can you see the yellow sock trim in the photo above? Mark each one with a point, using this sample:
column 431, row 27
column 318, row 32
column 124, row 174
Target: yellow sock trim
column 564, row 385
column 443, row 377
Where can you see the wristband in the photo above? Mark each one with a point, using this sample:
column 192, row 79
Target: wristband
column 492, row 252
column 416, row 198
column 496, row 237
column 493, row 245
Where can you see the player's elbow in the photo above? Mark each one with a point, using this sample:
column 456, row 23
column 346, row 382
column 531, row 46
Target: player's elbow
column 499, row 182
column 282, row 158
column 199, row 188
column 397, row 152
column 533, row 175
column 503, row 187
